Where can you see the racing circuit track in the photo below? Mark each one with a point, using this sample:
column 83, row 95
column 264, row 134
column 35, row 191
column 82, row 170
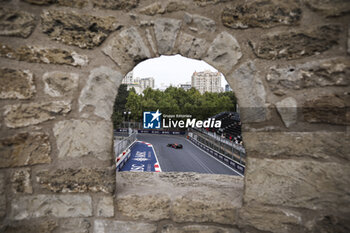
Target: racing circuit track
column 188, row 159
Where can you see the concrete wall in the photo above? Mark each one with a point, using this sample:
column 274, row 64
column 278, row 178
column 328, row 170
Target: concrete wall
column 61, row 64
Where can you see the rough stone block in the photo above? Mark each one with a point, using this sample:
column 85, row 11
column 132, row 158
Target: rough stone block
column 60, row 83
column 204, row 3
column 74, row 139
column 262, row 13
column 106, row 226
column 16, row 23
column 77, row 180
column 224, row 52
column 73, row 3
column 298, row 183
column 105, row 207
column 330, row 109
column 16, row 84
column 191, row 46
column 60, row 206
column 200, row 23
column 252, row 100
column 127, row 47
column 213, row 207
column 84, row 31
column 322, row 73
column 21, row 115
column 75, row 225
column 329, row 8
column 287, row 108
column 25, row 149
column 166, row 31
column 296, row 44
column 116, row 4
column 197, row 228
column 149, row 207
column 316, row 145
column 43, row 225
column 101, row 87
column 21, row 182
column 43, row 55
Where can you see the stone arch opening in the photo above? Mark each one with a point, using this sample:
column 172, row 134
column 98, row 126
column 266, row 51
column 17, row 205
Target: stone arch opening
column 184, row 91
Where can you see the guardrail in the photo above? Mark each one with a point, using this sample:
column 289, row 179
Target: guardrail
column 122, row 150
column 238, row 167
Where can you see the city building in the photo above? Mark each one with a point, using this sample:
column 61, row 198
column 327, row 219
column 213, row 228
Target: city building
column 207, row 81
column 227, row 88
column 146, row 82
column 185, row 86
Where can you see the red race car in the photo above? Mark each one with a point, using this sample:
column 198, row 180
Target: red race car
column 175, row 145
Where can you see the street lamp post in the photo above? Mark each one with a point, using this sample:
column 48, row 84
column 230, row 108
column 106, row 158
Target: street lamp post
column 128, row 117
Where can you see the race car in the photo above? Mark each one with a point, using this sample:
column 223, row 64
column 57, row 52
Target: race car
column 175, row 145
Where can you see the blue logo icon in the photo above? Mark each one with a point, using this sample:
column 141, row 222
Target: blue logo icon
column 151, row 120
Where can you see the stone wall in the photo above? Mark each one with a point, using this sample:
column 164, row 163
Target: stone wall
column 62, row 61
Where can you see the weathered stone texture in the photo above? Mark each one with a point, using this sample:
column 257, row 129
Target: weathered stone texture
column 287, row 108
column 298, row 183
column 21, row 182
column 77, row 180
column 316, row 145
column 296, row 44
column 43, row 55
column 61, row 206
column 106, row 226
column 16, row 23
column 26, row 226
column 329, row 8
column 84, row 31
column 25, row 149
column 264, row 14
column 224, row 52
column 60, row 83
column 219, row 208
column 200, row 23
column 195, row 197
column 75, row 139
column 105, row 207
column 197, row 229
column 100, row 91
column 116, row 4
column 2, row 195
column 331, row 109
column 149, row 207
column 153, row 9
column 246, row 81
column 175, row 6
column 16, row 84
column 21, row 115
column 328, row 72
column 275, row 219
column 191, row 46
column 127, row 48
column 166, row 31
column 75, row 225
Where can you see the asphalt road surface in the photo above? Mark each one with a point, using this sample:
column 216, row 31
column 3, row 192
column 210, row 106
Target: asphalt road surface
column 188, row 159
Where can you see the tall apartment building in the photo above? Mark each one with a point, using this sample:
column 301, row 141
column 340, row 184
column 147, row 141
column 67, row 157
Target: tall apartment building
column 206, row 81
column 147, row 82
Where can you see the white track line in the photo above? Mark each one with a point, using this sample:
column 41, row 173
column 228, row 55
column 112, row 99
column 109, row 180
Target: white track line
column 155, row 155
column 214, row 158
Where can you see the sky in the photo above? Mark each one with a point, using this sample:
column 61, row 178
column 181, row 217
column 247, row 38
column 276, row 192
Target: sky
column 173, row 70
